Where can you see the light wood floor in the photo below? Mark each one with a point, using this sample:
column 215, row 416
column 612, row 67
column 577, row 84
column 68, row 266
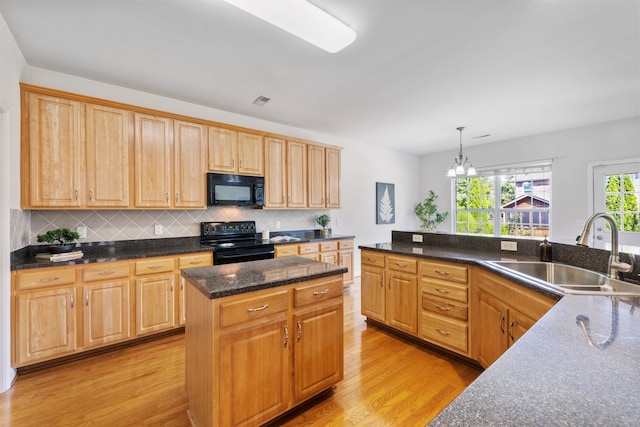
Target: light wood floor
column 388, row 381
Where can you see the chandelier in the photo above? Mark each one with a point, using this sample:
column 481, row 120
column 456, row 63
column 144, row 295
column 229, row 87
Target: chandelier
column 461, row 164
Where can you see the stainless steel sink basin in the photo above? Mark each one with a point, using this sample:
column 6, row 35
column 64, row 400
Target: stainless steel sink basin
column 568, row 279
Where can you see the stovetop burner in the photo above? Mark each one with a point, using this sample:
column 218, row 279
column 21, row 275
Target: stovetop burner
column 234, row 241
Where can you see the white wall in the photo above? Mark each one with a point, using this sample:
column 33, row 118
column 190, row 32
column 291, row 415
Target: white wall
column 571, row 151
column 13, row 65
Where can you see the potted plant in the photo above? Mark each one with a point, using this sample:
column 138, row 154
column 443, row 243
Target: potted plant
column 60, row 239
column 427, row 212
column 324, row 220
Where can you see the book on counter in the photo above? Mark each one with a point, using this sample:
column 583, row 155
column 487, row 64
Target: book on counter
column 65, row 256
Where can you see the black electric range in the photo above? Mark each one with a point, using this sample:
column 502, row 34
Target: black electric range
column 235, row 241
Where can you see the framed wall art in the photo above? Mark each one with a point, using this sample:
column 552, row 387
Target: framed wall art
column 385, row 203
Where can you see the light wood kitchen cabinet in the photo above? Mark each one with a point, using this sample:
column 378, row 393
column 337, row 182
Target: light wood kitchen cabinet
column 329, row 251
column 339, row 252
column 296, row 174
column 231, row 151
column 372, row 283
column 503, row 313
column 153, row 160
column 316, row 176
column 333, row 178
column 444, row 309
column 190, row 151
column 275, row 173
column 155, row 294
column 52, row 152
column 401, row 293
column 105, row 304
column 108, row 144
column 203, row 259
column 345, row 259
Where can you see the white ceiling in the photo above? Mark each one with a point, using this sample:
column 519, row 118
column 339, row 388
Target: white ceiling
column 416, row 71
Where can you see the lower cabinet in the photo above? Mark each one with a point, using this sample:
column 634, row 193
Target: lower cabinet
column 503, row 314
column 60, row 311
column 253, row 356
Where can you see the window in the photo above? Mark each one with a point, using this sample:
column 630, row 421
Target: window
column 512, row 201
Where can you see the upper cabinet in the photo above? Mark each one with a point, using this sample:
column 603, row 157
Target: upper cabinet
column 235, row 152
column 79, row 152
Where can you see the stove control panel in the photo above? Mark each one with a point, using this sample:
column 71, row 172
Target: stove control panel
column 227, row 228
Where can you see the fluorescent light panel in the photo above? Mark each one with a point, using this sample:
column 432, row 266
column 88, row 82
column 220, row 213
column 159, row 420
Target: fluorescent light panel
column 303, row 20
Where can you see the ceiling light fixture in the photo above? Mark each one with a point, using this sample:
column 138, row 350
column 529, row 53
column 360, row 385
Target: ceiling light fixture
column 303, row 20
column 461, row 164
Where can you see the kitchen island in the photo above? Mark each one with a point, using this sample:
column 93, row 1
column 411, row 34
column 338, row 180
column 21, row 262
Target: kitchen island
column 261, row 338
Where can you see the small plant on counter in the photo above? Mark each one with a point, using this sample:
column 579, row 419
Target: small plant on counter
column 323, row 220
column 427, row 212
column 59, row 238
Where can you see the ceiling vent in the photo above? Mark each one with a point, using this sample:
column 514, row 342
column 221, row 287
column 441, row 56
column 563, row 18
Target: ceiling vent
column 261, row 100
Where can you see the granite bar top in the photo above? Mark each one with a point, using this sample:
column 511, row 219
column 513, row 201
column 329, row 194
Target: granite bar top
column 554, row 376
column 23, row 259
column 232, row 279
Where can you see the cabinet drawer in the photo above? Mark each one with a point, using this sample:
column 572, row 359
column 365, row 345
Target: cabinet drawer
column 106, row 271
column 448, row 333
column 345, row 244
column 317, row 292
column 331, row 245
column 286, row 250
column 246, row 309
column 404, row 264
column 195, row 260
column 372, row 258
column 445, row 307
column 444, row 271
column 154, row 265
column 307, row 248
column 45, row 278
column 443, row 289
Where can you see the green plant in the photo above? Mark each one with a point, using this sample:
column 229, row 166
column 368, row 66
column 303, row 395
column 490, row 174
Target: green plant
column 427, row 212
column 323, row 220
column 60, row 236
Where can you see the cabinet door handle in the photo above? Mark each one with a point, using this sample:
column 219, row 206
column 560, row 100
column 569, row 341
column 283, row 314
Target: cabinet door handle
column 71, row 299
column 177, row 198
column 76, row 194
column 106, row 273
column 48, row 279
column 443, row 291
column 442, row 332
column 262, row 307
column 86, row 299
column 442, row 273
column 167, row 196
column 501, row 321
column 326, row 291
column 286, row 335
column 510, row 331
column 299, row 326
column 439, row 307
column 91, row 196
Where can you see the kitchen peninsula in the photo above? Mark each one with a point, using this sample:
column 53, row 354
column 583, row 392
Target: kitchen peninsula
column 261, row 338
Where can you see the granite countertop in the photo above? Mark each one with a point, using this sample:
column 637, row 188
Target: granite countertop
column 232, row 279
column 552, row 375
column 23, row 259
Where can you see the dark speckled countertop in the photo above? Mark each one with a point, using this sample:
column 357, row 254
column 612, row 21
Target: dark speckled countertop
column 232, row 279
column 552, row 375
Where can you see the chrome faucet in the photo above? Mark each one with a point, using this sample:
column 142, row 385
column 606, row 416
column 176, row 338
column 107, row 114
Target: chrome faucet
column 615, row 265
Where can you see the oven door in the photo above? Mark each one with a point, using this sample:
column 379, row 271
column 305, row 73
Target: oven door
column 231, row 255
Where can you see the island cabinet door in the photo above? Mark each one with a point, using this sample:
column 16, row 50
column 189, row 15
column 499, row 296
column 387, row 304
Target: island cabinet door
column 255, row 373
column 318, row 355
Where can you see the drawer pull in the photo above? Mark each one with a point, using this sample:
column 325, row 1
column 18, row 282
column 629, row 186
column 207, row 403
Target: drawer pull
column 441, row 332
column 443, row 291
column 262, row 307
column 155, row 267
column 399, row 264
column 196, row 262
column 442, row 273
column 106, row 273
column 441, row 308
column 48, row 279
column 326, row 291
column 372, row 259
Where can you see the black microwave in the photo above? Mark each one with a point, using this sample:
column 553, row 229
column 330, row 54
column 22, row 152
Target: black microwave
column 235, row 190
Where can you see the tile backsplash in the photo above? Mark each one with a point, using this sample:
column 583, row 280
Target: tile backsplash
column 133, row 225
column 19, row 225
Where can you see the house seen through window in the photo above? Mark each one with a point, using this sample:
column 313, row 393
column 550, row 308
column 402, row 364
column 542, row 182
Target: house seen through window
column 513, row 202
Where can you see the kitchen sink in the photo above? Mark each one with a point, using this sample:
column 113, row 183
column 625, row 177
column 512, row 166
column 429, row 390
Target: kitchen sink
column 568, row 279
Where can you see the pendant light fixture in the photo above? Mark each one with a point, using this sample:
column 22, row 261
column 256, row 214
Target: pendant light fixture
column 461, row 164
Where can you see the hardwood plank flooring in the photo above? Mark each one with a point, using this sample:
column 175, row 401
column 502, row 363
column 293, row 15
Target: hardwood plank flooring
column 388, row 381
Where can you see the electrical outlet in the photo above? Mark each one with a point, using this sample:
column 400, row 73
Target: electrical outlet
column 277, row 225
column 416, row 238
column 509, row 246
column 82, row 231
column 158, row 229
